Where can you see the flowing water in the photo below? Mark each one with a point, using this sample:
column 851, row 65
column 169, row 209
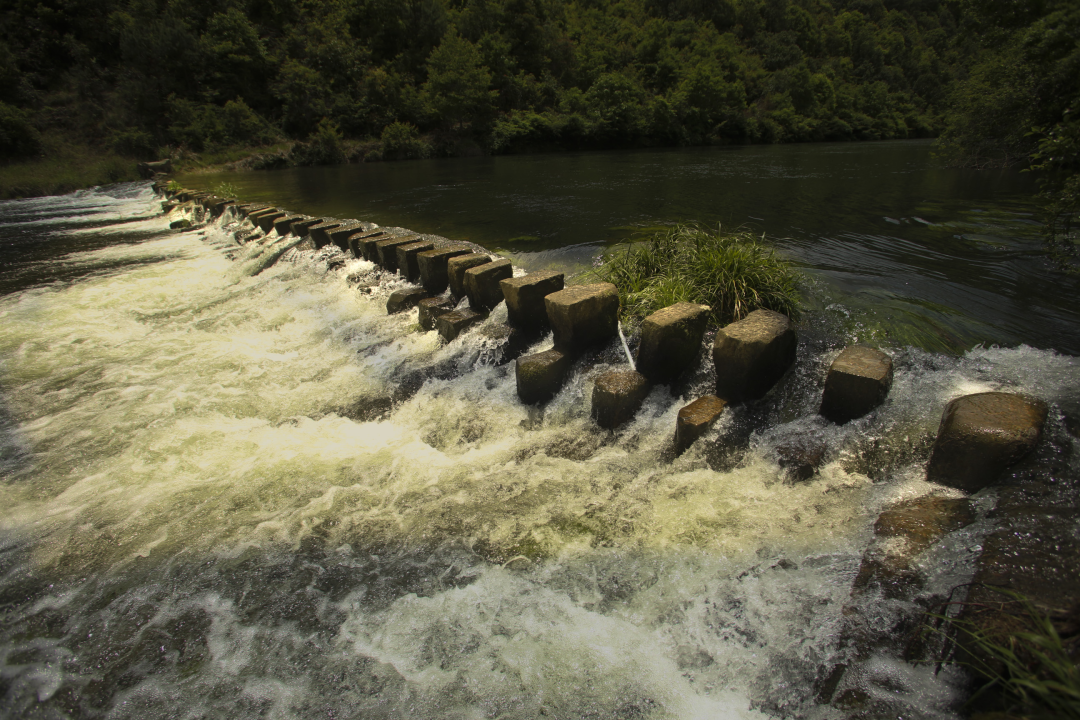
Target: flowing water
column 257, row 495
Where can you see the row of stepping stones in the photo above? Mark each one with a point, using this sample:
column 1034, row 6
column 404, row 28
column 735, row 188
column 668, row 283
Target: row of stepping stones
column 980, row 435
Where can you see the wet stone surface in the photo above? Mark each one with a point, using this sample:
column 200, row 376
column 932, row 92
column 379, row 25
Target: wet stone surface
column 541, row 375
column 858, row 381
column 617, row 396
column 583, row 316
column 525, row 298
column 671, row 341
column 752, row 354
column 696, row 419
column 456, row 268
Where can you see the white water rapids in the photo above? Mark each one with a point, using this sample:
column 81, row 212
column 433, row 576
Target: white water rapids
column 211, row 507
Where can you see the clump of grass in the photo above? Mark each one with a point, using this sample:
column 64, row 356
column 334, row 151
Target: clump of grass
column 1030, row 664
column 225, row 190
column 732, row 272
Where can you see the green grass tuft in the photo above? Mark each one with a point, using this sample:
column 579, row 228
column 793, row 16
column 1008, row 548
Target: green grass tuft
column 732, row 272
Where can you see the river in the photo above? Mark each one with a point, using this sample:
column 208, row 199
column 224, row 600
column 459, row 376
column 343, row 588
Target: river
column 211, row 510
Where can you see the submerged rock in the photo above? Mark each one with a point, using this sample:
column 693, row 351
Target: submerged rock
column 752, row 354
column 696, row 419
column 401, row 300
column 525, row 298
column 671, row 340
column 540, row 376
column 858, row 381
column 482, row 284
column 452, row 324
column 180, row 224
column 583, row 315
column 617, row 396
column 983, row 434
column 801, row 457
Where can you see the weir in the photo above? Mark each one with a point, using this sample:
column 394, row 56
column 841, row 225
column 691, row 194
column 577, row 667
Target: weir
column 258, row 492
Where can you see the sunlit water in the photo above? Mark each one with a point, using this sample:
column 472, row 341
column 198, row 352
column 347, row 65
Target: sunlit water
column 212, row 507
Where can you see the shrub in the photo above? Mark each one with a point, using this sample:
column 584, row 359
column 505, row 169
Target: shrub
column 401, row 141
column 733, row 272
column 18, row 137
column 323, row 147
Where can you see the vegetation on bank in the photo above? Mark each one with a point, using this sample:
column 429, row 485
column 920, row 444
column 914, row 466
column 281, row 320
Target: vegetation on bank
column 732, row 272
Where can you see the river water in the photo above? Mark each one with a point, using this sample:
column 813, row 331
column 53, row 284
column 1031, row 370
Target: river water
column 236, row 495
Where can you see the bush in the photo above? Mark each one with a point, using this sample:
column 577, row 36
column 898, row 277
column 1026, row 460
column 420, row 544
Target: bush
column 210, row 127
column 733, row 273
column 323, row 147
column 18, row 137
column 401, row 141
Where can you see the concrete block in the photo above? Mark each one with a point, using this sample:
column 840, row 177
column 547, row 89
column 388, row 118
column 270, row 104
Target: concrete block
column 406, row 258
column 404, row 299
column 541, row 375
column 387, row 250
column 452, row 324
column 982, row 435
column 752, row 354
column 617, row 396
column 432, row 308
column 671, row 341
column 858, row 381
column 525, row 298
column 583, row 316
column 433, row 264
column 696, row 419
column 456, row 267
column 482, row 283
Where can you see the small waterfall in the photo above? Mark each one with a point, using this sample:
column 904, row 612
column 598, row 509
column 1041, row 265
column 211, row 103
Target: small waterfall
column 626, row 348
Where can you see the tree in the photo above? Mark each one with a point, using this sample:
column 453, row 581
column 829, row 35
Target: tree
column 457, row 88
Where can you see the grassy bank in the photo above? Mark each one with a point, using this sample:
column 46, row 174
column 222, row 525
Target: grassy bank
column 732, row 272
column 63, row 168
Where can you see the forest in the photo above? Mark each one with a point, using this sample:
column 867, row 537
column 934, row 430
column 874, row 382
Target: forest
column 327, row 81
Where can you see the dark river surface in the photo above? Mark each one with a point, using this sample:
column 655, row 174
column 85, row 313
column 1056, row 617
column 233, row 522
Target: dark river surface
column 939, row 257
column 232, row 489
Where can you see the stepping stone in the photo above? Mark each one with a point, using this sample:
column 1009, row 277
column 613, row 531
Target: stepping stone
column 402, row 300
column 433, row 264
column 218, row 208
column 456, row 267
column 266, row 221
column 751, row 355
column 434, row 307
column 300, row 228
column 387, row 250
column 617, row 396
column 541, row 375
column 318, row 232
column 406, row 258
column 525, row 298
column 983, row 434
column 284, row 225
column 671, row 341
column 482, row 283
column 368, row 242
column 357, row 239
column 340, row 235
column 696, row 419
column 452, row 324
column 858, row 381
column 583, row 315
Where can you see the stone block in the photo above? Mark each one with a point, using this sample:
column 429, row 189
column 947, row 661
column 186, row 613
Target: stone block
column 541, row 375
column 858, row 381
column 671, row 340
column 284, row 225
column 452, row 324
column 266, row 220
column 456, row 267
column 583, row 316
column 406, row 258
column 433, row 266
column 432, row 308
column 525, row 298
column 387, row 250
column 617, row 396
column 482, row 283
column 696, row 419
column 750, row 355
column 983, row 434
column 357, row 240
column 402, row 300
column 217, row 208
column 318, row 232
column 340, row 235
column 301, row 227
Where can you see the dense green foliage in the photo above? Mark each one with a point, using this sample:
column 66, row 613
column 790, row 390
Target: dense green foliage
column 444, row 76
column 732, row 272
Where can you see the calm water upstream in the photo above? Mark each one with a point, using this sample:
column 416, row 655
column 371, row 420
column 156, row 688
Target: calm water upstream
column 212, row 508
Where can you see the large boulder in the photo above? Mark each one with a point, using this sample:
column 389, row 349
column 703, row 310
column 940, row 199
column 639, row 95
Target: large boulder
column 696, row 419
column 541, row 375
column 525, row 298
column 671, row 340
column 404, row 299
column 406, row 258
column 456, row 268
column 617, row 396
column 433, row 266
column 983, row 434
column 858, row 381
column 482, row 283
column 750, row 355
column 583, row 315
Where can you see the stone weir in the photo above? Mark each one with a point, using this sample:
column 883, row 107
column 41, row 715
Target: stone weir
column 454, row 286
